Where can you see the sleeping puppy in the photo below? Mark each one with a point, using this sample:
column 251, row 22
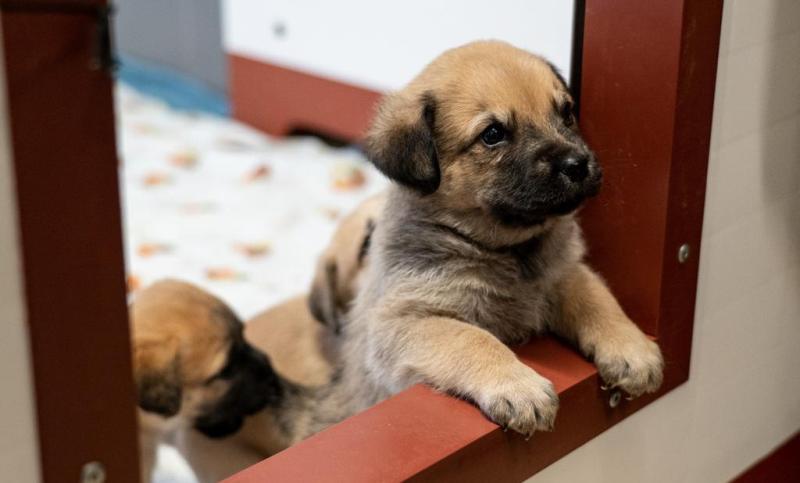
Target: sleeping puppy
column 193, row 367
column 301, row 348
column 478, row 248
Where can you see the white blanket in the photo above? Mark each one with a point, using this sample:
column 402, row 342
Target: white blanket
column 211, row 201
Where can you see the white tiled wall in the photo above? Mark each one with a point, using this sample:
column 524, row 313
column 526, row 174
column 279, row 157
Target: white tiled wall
column 743, row 397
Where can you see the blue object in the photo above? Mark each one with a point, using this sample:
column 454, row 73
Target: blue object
column 175, row 88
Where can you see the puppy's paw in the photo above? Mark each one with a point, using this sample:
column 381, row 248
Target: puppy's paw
column 521, row 400
column 633, row 364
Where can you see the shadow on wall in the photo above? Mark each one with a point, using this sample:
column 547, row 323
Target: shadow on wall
column 779, row 146
column 184, row 35
column 757, row 136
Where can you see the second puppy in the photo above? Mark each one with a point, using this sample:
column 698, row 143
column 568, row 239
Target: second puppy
column 301, row 349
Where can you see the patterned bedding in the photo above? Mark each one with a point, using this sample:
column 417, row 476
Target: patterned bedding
column 211, row 201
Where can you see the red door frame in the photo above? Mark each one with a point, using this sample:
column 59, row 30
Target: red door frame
column 648, row 73
column 65, row 168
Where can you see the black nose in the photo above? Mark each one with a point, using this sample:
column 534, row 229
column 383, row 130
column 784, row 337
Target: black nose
column 574, row 166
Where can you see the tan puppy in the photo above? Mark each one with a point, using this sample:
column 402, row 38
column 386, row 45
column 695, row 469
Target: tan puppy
column 192, row 366
column 301, row 349
column 478, row 247
column 340, row 265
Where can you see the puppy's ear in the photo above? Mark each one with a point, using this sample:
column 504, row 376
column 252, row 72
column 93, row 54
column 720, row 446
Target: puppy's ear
column 158, row 379
column 322, row 301
column 402, row 144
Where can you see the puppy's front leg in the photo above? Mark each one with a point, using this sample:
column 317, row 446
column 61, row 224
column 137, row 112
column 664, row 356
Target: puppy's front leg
column 592, row 318
column 465, row 360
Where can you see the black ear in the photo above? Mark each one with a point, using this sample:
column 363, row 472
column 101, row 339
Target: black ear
column 401, row 143
column 160, row 391
column 322, row 301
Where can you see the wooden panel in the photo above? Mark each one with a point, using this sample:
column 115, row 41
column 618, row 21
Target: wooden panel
column 694, row 108
column 62, row 130
column 782, row 464
column 630, row 75
column 279, row 100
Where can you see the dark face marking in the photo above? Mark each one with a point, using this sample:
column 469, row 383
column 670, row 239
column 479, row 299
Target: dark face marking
column 253, row 386
column 564, row 110
column 541, row 178
column 541, row 172
column 161, row 392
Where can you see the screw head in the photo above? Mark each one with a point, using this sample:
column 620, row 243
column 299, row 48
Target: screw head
column 279, row 29
column 683, row 253
column 615, row 399
column 93, row 472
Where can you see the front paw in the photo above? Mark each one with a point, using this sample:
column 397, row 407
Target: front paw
column 521, row 400
column 633, row 364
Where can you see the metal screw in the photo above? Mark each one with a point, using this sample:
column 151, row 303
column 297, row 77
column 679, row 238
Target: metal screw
column 93, row 472
column 615, row 399
column 279, row 29
column 683, row 253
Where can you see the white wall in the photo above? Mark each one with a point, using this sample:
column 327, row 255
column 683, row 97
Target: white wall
column 19, row 457
column 382, row 45
column 743, row 396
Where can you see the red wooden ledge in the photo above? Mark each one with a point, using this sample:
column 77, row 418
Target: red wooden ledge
column 424, row 435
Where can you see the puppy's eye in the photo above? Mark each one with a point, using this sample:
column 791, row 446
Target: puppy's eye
column 493, row 134
column 567, row 115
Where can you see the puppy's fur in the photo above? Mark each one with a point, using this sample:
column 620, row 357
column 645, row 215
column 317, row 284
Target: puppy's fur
column 478, row 248
column 301, row 348
column 192, row 366
column 340, row 265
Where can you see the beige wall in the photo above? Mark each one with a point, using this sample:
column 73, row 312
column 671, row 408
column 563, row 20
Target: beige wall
column 19, row 458
column 743, row 396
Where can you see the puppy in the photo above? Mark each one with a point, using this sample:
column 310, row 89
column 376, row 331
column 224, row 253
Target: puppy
column 478, row 248
column 302, row 349
column 340, row 265
column 301, row 338
column 193, row 367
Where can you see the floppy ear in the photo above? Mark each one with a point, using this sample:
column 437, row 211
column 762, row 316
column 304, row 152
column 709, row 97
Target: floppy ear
column 322, row 300
column 158, row 379
column 401, row 142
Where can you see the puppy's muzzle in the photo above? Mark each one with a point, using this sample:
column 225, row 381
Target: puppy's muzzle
column 579, row 170
column 254, row 385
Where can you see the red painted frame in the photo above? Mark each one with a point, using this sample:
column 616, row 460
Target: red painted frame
column 647, row 89
column 61, row 112
column 781, row 464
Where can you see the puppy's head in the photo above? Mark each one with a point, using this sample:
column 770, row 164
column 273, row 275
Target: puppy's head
column 190, row 358
column 487, row 128
column 338, row 268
